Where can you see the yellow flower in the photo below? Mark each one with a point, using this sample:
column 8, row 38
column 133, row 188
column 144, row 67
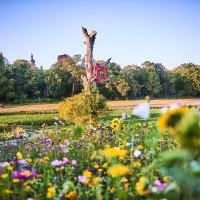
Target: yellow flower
column 123, row 180
column 166, row 179
column 118, row 170
column 115, row 121
column 139, row 147
column 123, row 127
column 71, row 195
column 96, row 166
column 142, row 186
column 114, row 126
column 112, row 190
column 27, row 187
column 26, row 173
column 57, row 169
column 95, row 181
column 51, row 192
column 10, row 168
column 15, row 180
column 46, row 158
column 126, row 187
column 171, row 118
column 115, row 152
column 137, row 164
column 4, row 175
column 28, row 160
column 7, row 191
column 19, row 155
column 105, row 165
column 87, row 174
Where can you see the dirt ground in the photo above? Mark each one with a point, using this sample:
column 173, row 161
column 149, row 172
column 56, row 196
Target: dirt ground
column 112, row 104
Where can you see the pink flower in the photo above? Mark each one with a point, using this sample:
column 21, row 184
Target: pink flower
column 159, row 184
column 73, row 162
column 24, row 174
column 65, row 160
column 56, row 163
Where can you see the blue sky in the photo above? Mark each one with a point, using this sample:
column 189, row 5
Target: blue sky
column 129, row 31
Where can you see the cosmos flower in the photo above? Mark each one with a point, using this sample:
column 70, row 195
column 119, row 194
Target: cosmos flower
column 159, row 185
column 56, row 163
column 73, row 162
column 65, row 160
column 24, row 174
column 82, row 179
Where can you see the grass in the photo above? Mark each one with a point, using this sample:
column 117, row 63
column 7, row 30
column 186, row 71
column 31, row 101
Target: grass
column 27, row 119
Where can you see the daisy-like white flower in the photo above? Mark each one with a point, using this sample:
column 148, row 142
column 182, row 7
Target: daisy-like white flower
column 137, row 153
column 142, row 110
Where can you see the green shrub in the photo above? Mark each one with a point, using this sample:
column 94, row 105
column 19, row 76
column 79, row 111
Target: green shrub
column 83, row 108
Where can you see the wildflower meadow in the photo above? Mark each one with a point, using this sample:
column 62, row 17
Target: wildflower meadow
column 133, row 156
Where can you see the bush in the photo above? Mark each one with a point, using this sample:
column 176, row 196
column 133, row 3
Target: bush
column 83, row 108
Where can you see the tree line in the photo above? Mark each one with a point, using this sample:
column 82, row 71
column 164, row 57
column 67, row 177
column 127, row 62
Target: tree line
column 20, row 83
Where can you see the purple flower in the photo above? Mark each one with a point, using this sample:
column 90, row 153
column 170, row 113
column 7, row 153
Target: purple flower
column 4, row 164
column 23, row 163
column 61, row 123
column 48, row 142
column 159, row 184
column 56, row 118
column 82, row 179
column 58, row 132
column 56, row 163
column 1, row 170
column 67, row 142
column 65, row 150
column 24, row 174
column 123, row 116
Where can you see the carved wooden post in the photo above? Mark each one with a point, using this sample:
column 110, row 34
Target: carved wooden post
column 89, row 42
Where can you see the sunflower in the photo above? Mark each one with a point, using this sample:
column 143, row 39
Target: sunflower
column 114, row 126
column 116, row 120
column 171, row 118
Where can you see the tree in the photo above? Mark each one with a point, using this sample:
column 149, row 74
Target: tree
column 191, row 75
column 153, row 84
column 6, row 81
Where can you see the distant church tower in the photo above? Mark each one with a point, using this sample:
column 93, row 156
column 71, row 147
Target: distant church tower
column 32, row 62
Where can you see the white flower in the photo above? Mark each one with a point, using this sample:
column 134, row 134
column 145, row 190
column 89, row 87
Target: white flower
column 128, row 144
column 175, row 106
column 164, row 110
column 137, row 153
column 142, row 110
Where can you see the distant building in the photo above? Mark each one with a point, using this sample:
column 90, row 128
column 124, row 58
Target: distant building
column 62, row 57
column 32, row 62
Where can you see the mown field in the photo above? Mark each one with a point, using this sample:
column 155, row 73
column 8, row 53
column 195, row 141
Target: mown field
column 112, row 104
